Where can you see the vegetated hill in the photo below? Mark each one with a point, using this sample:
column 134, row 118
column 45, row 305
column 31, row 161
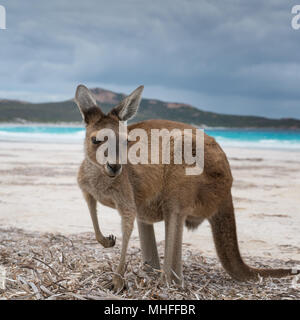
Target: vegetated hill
column 67, row 111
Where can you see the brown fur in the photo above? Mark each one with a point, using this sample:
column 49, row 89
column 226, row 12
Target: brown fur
column 152, row 193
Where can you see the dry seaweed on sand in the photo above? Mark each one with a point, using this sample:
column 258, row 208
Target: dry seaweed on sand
column 54, row 266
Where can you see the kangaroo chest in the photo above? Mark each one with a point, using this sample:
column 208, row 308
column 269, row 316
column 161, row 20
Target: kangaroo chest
column 106, row 200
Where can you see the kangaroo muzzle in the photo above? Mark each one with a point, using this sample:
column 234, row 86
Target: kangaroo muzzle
column 113, row 170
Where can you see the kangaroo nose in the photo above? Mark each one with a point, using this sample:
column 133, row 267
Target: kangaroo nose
column 114, row 167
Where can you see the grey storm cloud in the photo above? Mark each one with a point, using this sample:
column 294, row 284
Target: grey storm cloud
column 226, row 56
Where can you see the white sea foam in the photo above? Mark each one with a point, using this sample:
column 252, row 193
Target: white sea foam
column 76, row 137
column 260, row 144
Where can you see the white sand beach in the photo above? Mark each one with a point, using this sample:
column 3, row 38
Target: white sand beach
column 38, row 192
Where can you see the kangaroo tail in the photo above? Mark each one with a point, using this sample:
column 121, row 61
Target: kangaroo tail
column 224, row 232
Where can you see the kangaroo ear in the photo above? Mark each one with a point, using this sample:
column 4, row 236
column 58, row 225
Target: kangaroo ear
column 87, row 104
column 128, row 108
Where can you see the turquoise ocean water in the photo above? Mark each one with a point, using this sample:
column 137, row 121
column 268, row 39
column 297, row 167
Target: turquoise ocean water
column 250, row 138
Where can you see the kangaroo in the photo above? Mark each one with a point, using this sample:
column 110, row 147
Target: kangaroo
column 158, row 192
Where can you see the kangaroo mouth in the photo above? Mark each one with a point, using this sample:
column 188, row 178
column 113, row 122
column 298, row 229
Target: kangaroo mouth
column 113, row 170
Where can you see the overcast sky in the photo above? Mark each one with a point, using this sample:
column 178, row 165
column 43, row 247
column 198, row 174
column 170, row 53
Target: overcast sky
column 239, row 57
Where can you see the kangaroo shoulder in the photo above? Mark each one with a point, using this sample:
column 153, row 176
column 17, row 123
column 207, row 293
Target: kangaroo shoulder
column 83, row 173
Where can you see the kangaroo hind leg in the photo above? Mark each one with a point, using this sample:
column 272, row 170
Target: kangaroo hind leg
column 173, row 247
column 148, row 244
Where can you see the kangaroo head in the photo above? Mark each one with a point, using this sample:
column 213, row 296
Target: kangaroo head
column 100, row 126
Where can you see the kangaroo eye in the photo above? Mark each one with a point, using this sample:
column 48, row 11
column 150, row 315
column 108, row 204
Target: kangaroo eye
column 95, row 141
